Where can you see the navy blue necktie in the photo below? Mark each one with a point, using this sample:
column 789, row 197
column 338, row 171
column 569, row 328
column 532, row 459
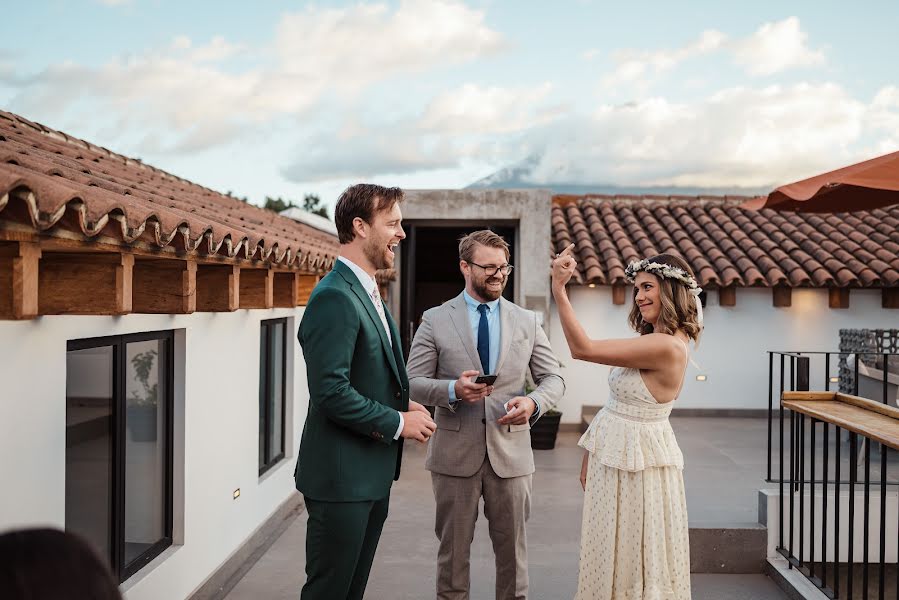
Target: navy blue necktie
column 484, row 340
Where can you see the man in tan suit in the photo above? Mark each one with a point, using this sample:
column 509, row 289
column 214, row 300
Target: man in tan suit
column 482, row 446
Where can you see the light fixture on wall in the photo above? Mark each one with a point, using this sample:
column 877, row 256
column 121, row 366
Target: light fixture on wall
column 834, row 380
column 701, row 378
column 591, row 285
column 236, row 493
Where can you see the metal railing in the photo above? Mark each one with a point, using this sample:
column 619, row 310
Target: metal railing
column 813, row 534
column 796, row 372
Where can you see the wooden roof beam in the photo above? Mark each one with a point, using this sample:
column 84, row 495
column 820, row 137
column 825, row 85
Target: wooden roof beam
column 164, row 286
column 85, row 283
column 285, row 289
column 305, row 285
column 19, row 264
column 218, row 288
column 257, row 288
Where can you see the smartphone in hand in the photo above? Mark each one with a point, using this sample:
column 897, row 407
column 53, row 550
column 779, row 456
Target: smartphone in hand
column 488, row 379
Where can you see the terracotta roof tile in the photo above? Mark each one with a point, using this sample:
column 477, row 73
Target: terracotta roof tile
column 729, row 245
column 69, row 183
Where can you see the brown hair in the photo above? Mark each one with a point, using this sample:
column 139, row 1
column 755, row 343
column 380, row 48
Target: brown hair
column 362, row 200
column 484, row 237
column 678, row 308
column 50, row 563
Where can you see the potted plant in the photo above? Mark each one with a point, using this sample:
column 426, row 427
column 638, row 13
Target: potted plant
column 143, row 407
column 545, row 429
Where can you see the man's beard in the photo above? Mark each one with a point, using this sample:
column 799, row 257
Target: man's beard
column 377, row 255
column 484, row 292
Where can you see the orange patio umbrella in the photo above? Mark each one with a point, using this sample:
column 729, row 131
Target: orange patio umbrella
column 870, row 184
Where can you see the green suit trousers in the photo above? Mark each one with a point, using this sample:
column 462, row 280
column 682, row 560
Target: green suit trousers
column 341, row 539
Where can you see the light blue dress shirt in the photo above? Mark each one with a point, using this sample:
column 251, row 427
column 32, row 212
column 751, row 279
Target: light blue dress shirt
column 493, row 325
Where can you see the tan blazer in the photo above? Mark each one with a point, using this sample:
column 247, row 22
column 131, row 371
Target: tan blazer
column 443, row 347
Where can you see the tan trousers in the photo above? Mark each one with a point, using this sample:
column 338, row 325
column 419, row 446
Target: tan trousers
column 507, row 505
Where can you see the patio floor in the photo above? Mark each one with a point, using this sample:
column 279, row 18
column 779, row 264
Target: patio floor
column 725, row 463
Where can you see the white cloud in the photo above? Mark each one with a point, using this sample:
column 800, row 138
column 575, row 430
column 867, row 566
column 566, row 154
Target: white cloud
column 114, row 3
column 776, row 47
column 218, row 49
column 590, row 54
column 7, row 65
column 324, row 157
column 883, row 114
column 316, row 52
column 458, row 127
column 357, row 46
column 773, row 48
column 185, row 98
column 736, row 137
column 637, row 65
column 486, row 110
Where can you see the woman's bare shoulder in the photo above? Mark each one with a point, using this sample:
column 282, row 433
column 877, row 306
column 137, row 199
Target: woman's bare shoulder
column 666, row 340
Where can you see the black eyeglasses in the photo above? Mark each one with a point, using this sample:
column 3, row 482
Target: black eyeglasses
column 490, row 271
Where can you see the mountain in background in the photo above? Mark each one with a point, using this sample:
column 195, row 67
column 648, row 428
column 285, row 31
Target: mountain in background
column 517, row 177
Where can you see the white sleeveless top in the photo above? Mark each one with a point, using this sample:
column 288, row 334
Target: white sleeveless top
column 631, row 432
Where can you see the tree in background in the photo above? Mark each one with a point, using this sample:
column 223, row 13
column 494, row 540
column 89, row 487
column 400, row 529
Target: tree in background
column 243, row 199
column 277, row 204
column 312, row 203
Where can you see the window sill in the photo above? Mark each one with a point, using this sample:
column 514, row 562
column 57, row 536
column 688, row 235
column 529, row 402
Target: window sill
column 139, row 577
column 273, row 469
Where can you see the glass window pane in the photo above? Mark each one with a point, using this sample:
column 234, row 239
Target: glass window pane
column 263, row 376
column 89, row 401
column 145, row 445
column 276, row 387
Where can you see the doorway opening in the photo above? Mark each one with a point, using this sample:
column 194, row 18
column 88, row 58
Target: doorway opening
column 430, row 268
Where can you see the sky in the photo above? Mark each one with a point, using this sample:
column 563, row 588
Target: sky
column 276, row 98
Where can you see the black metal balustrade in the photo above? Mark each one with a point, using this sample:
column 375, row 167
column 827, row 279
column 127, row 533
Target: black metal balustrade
column 811, row 473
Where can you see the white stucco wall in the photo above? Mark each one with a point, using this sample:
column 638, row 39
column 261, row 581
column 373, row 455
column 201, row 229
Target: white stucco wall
column 217, row 355
column 733, row 350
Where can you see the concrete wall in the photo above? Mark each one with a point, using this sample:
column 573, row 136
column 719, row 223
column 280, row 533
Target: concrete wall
column 531, row 209
column 771, row 503
column 733, row 350
column 216, row 431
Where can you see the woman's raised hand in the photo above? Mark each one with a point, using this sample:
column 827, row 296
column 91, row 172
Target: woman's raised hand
column 563, row 266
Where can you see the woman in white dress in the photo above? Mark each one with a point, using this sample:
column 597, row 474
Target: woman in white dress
column 634, row 536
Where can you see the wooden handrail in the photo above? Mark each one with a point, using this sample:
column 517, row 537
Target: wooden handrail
column 871, row 419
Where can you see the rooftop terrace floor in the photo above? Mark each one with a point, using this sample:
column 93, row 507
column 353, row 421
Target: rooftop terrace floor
column 725, row 467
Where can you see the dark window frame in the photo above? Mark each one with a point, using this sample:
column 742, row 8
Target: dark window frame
column 264, row 392
column 119, row 344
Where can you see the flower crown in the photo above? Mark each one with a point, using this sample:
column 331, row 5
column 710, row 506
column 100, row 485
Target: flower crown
column 661, row 270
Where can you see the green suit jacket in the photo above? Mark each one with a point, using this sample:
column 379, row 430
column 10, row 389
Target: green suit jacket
column 357, row 385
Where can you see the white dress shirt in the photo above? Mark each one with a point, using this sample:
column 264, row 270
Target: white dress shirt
column 371, row 287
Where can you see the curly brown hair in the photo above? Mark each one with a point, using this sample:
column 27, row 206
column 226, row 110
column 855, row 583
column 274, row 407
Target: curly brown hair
column 678, row 308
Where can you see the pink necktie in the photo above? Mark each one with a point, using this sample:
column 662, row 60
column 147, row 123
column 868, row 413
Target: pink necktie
column 376, row 300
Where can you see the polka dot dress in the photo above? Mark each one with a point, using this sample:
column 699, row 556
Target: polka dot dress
column 634, row 532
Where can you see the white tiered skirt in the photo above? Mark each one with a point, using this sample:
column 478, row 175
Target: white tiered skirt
column 634, row 534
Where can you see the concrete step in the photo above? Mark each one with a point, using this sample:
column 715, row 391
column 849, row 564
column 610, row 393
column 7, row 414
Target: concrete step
column 734, row 587
column 729, row 549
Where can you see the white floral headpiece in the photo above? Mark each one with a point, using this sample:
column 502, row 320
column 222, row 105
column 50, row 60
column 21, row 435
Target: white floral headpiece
column 661, row 270
column 666, row 271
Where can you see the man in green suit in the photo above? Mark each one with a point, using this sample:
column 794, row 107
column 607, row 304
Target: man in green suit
column 359, row 407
